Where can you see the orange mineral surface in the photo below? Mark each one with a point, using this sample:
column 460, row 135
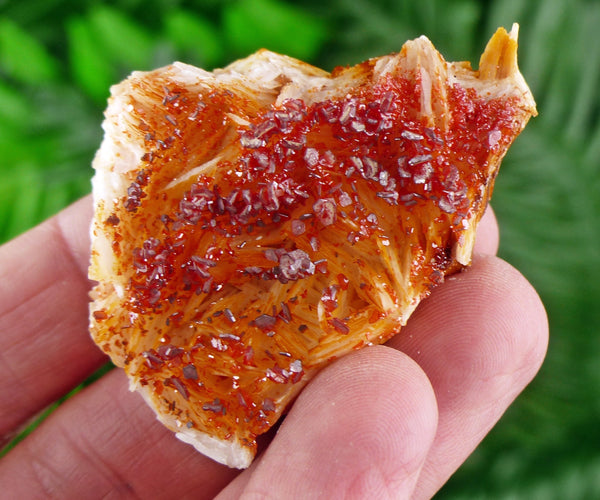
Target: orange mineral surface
column 255, row 223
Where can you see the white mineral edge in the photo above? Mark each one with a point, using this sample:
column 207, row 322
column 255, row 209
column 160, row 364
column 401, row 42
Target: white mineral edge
column 115, row 157
column 228, row 453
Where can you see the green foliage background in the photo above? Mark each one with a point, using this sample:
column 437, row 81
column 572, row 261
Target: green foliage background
column 59, row 57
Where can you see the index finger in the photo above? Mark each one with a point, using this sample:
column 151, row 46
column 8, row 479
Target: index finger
column 488, row 237
column 46, row 350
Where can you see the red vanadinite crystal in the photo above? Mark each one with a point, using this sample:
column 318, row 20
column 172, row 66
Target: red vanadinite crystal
column 301, row 171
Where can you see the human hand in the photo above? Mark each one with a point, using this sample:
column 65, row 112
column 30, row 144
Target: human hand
column 390, row 421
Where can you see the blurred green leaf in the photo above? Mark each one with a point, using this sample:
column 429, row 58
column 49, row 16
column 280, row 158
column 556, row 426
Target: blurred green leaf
column 90, row 66
column 124, row 41
column 194, row 37
column 13, row 146
column 543, row 29
column 367, row 29
column 15, row 110
column 24, row 192
column 277, row 26
column 23, row 58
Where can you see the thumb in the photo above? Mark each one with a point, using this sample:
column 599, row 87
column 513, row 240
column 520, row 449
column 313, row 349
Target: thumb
column 361, row 429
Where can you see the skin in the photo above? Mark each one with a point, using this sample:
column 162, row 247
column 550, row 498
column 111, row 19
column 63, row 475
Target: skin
column 391, row 421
